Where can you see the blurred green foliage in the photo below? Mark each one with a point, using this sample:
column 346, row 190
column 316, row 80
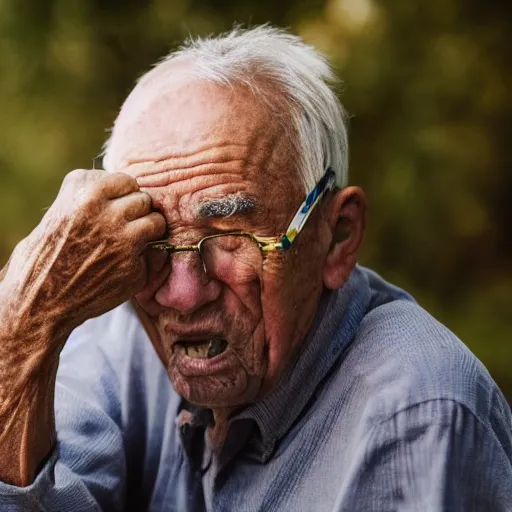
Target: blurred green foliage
column 427, row 84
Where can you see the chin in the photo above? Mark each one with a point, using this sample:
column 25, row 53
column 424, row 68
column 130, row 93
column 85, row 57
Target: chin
column 225, row 391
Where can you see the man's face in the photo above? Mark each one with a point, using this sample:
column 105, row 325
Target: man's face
column 190, row 148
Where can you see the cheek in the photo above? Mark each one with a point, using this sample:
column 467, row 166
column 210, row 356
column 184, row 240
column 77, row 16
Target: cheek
column 291, row 290
column 277, row 330
column 243, row 303
column 276, row 313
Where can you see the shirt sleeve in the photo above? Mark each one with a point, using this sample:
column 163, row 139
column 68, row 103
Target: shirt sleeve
column 86, row 469
column 433, row 456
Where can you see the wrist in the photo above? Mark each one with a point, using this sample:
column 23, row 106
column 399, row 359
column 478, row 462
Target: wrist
column 27, row 429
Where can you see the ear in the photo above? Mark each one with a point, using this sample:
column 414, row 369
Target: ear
column 346, row 219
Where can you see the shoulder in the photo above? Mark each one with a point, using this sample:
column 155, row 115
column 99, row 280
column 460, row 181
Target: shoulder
column 401, row 357
column 404, row 345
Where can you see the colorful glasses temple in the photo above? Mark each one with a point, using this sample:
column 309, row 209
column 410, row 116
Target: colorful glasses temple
column 326, row 183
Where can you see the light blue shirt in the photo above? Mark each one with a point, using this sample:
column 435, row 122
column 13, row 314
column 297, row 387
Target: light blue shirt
column 383, row 410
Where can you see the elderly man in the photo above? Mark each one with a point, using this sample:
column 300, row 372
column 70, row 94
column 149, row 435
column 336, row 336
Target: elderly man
column 233, row 356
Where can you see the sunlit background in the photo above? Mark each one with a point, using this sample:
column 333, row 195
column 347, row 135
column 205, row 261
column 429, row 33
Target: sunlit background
column 428, row 86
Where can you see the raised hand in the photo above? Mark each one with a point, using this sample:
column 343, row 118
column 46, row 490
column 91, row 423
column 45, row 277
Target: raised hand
column 83, row 259
column 86, row 255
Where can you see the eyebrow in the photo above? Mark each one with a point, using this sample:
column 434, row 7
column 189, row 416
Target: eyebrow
column 227, row 206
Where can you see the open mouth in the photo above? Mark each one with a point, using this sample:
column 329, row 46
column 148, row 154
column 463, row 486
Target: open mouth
column 203, row 349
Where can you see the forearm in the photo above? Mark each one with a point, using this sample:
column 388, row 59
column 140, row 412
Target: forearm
column 27, row 384
column 27, row 427
column 30, row 342
column 83, row 259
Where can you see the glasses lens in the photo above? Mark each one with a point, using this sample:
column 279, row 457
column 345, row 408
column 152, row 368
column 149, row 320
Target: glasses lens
column 235, row 258
column 156, row 258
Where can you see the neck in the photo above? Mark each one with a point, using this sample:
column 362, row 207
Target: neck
column 218, row 432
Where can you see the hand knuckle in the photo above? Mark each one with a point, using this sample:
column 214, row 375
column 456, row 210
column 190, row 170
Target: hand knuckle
column 72, row 177
column 76, row 173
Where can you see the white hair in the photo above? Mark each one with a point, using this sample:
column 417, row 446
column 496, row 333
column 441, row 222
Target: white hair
column 302, row 78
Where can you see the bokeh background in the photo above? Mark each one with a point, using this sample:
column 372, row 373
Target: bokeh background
column 428, row 86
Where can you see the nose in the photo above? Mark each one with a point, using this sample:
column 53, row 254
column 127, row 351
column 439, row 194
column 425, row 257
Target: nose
column 188, row 287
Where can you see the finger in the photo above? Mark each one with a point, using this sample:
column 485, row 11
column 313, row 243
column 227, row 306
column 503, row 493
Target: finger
column 118, row 184
column 134, row 205
column 148, row 229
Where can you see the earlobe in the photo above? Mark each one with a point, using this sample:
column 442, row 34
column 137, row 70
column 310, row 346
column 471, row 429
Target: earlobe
column 347, row 221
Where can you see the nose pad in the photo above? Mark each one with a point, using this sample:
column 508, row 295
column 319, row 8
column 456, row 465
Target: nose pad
column 192, row 260
column 195, row 260
column 203, row 264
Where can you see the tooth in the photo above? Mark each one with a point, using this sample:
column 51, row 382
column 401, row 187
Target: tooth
column 197, row 351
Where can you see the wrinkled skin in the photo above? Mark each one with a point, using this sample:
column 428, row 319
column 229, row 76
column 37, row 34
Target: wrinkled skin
column 84, row 258
column 86, row 255
column 224, row 154
column 172, row 148
column 214, row 151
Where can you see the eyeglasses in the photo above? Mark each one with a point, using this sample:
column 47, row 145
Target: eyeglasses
column 238, row 255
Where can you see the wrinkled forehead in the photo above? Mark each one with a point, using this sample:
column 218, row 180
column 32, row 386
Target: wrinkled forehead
column 175, row 113
column 197, row 122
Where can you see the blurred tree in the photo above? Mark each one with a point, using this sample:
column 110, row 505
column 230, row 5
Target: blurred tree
column 427, row 84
